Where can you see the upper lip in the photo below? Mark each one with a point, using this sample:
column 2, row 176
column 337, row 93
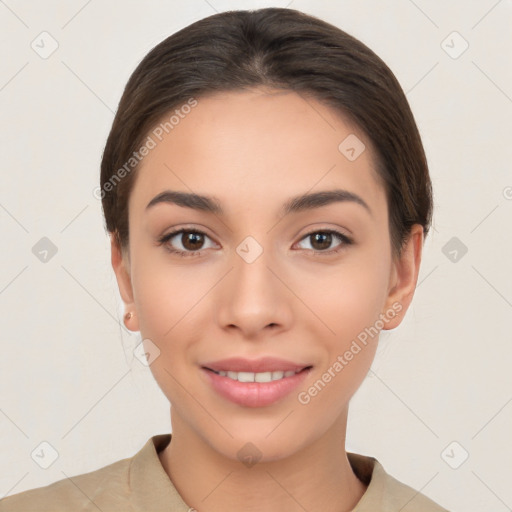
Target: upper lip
column 264, row 364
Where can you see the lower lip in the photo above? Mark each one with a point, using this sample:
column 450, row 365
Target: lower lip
column 254, row 394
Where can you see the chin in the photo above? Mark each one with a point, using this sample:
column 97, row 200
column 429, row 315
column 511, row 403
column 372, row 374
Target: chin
column 258, row 446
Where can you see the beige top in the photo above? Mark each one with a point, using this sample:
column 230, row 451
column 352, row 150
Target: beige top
column 140, row 484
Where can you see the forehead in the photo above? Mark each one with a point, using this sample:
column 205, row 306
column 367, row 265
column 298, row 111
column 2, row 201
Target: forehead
column 257, row 146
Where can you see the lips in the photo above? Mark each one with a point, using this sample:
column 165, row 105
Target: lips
column 265, row 364
column 254, row 383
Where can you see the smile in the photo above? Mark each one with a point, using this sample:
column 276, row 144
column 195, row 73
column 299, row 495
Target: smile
column 255, row 388
column 256, row 377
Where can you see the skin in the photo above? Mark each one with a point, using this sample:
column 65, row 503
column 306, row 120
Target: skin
column 253, row 150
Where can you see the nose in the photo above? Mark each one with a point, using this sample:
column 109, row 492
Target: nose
column 253, row 299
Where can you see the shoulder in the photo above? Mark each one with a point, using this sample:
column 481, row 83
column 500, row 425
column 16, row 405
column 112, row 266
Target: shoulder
column 104, row 489
column 386, row 493
column 402, row 497
column 134, row 484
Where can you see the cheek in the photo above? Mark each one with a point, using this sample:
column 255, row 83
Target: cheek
column 164, row 295
column 350, row 306
column 350, row 300
column 168, row 302
column 350, row 311
column 166, row 321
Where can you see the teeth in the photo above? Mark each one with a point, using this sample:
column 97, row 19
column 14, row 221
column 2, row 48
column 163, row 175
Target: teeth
column 257, row 377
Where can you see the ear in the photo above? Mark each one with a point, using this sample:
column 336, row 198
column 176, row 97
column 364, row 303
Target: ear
column 403, row 278
column 121, row 265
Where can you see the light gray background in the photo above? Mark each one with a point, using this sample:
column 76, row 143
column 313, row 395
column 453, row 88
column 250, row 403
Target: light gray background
column 68, row 375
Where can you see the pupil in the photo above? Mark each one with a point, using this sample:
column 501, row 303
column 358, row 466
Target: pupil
column 326, row 240
column 194, row 239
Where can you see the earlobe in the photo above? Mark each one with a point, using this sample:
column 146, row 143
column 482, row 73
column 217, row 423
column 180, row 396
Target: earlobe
column 404, row 277
column 121, row 267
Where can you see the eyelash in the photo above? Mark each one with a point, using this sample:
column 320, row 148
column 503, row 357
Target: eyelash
column 187, row 254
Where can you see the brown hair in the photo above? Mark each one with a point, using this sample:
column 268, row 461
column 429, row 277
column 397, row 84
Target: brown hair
column 282, row 49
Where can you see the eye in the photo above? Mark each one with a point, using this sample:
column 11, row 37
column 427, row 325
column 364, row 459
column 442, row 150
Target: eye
column 322, row 240
column 190, row 240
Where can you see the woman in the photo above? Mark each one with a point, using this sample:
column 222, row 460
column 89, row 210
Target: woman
column 267, row 197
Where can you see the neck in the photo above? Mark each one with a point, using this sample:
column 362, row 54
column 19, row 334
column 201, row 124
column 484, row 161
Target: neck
column 316, row 477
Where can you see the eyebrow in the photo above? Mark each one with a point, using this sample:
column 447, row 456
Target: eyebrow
column 292, row 205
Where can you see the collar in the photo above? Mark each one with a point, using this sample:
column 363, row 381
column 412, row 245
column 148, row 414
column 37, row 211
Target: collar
column 151, row 487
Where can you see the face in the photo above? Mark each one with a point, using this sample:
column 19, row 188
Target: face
column 301, row 286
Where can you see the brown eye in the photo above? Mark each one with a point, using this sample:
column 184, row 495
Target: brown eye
column 192, row 241
column 185, row 242
column 321, row 240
